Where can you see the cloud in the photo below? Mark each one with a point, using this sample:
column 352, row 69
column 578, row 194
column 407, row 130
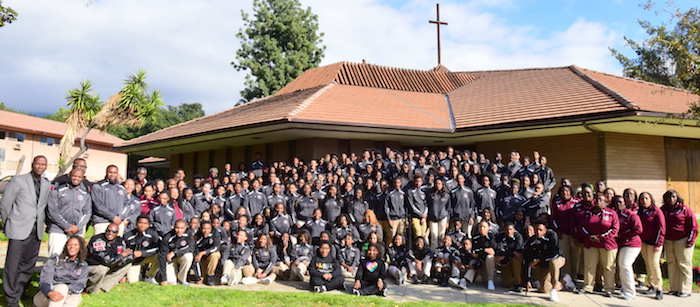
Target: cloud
column 186, row 46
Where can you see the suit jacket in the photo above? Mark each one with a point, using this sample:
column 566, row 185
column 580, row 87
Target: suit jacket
column 19, row 208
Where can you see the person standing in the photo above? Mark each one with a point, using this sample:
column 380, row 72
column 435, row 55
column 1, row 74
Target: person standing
column 69, row 209
column 108, row 200
column 22, row 211
column 395, row 208
column 600, row 226
column 653, row 235
column 681, row 232
column 629, row 244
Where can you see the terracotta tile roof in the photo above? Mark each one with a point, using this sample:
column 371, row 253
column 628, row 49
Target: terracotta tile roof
column 368, row 106
column 256, row 111
column 498, row 97
column 46, row 127
column 436, row 100
column 646, row 96
column 370, row 75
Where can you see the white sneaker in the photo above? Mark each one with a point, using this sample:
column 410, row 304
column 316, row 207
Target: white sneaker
column 463, row 283
column 224, row 280
column 454, row 282
column 151, row 280
column 554, row 295
column 491, row 286
column 317, row 289
column 184, row 283
column 323, row 289
column 355, row 292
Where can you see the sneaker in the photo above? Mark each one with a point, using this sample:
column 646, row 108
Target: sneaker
column 402, row 279
column 317, row 289
column 384, row 292
column 453, row 282
column 554, row 295
column 265, row 281
column 355, row 292
column 151, row 280
column 323, row 289
column 414, row 279
column 569, row 282
column 607, row 294
column 224, row 280
column 683, row 294
column 491, row 286
column 463, row 283
column 184, row 283
column 627, row 297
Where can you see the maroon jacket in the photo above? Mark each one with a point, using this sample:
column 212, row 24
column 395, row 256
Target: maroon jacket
column 603, row 223
column 653, row 225
column 681, row 223
column 630, row 229
column 577, row 214
column 562, row 215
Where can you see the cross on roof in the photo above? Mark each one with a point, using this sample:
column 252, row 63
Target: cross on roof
column 438, row 23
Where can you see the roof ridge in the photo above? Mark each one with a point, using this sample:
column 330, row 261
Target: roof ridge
column 599, row 86
column 512, row 69
column 678, row 89
column 304, row 104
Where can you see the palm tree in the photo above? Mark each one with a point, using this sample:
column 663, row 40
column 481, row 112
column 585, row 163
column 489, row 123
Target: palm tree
column 131, row 106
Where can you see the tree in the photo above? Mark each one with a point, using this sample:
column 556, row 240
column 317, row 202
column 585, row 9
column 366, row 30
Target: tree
column 279, row 42
column 669, row 56
column 166, row 117
column 132, row 106
column 7, row 15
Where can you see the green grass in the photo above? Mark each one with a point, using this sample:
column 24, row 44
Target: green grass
column 142, row 294
column 89, row 232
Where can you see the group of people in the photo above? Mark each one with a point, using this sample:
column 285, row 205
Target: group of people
column 441, row 217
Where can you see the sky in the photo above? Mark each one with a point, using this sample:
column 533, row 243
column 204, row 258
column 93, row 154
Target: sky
column 186, row 47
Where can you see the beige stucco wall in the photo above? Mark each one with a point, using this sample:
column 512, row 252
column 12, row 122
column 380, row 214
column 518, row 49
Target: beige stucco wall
column 97, row 158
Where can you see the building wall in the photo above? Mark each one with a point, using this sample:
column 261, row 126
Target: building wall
column 683, row 169
column 635, row 161
column 98, row 157
column 572, row 156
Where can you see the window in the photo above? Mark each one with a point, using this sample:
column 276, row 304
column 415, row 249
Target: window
column 18, row 136
column 48, row 141
column 3, row 134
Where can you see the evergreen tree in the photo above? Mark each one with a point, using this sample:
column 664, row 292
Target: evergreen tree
column 278, row 42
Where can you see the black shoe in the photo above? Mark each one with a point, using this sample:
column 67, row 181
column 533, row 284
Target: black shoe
column 659, row 295
column 607, row 294
column 576, row 291
column 682, row 294
column 211, row 280
column 598, row 289
column 517, row 289
column 675, row 293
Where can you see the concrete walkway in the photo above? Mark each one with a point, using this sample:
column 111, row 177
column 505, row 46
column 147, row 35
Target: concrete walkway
column 411, row 292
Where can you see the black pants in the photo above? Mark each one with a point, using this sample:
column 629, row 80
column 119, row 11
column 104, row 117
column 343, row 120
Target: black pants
column 369, row 288
column 19, row 264
column 336, row 283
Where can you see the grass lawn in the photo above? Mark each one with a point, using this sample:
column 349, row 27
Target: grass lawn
column 142, row 294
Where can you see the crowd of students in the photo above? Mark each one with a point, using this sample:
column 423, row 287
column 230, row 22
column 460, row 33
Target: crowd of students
column 440, row 217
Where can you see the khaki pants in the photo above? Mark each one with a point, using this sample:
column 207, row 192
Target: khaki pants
column 183, row 264
column 567, row 245
column 396, row 227
column 549, row 277
column 679, row 257
column 211, row 262
column 69, row 300
column 134, row 274
column 437, row 232
column 386, row 230
column 419, row 230
column 102, row 227
column 236, row 274
column 652, row 262
column 103, row 278
column 511, row 272
column 592, row 257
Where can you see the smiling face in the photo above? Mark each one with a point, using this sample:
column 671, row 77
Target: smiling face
column 73, row 247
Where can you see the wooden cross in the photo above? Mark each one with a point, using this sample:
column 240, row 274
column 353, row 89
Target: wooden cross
column 438, row 23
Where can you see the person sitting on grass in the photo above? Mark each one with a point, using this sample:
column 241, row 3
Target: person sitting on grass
column 109, row 259
column 301, row 256
column 64, row 276
column 207, row 254
column 420, row 261
column 325, row 270
column 238, row 264
column 264, row 260
column 369, row 279
column 176, row 249
column 398, row 255
column 349, row 257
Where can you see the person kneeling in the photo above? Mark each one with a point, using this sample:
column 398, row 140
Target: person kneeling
column 63, row 277
column 542, row 259
column 238, row 265
column 208, row 254
column 176, row 249
column 109, row 260
column 144, row 241
column 325, row 270
column 369, row 279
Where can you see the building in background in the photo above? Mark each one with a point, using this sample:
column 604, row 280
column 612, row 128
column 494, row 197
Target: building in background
column 23, row 136
column 590, row 125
